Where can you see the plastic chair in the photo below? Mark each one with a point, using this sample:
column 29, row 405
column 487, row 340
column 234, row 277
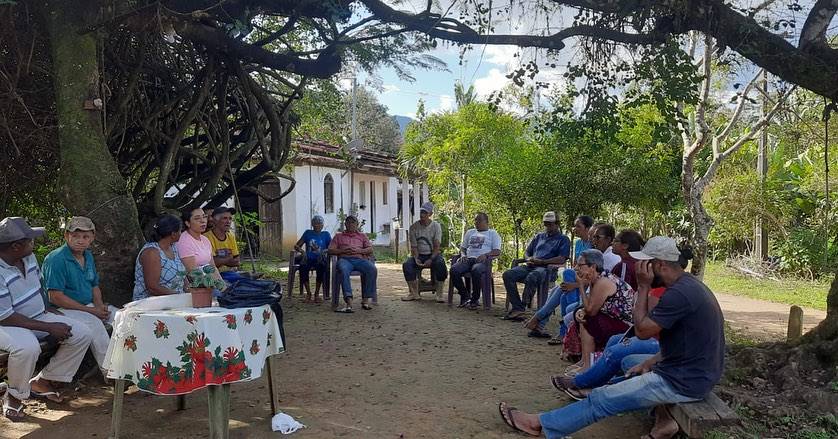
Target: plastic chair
column 544, row 288
column 294, row 266
column 488, row 293
column 335, row 283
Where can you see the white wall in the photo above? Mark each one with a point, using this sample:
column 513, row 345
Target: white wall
column 307, row 200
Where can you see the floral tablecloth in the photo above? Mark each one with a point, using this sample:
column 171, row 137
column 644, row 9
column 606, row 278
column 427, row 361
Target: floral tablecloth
column 181, row 349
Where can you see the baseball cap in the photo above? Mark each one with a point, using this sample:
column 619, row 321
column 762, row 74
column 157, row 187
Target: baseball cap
column 15, row 228
column 427, row 207
column 549, row 217
column 658, row 247
column 82, row 223
column 223, row 209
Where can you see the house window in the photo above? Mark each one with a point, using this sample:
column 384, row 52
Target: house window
column 329, row 194
column 384, row 194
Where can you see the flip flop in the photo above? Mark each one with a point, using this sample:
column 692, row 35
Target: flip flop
column 345, row 310
column 559, row 384
column 506, row 415
column 556, row 341
column 16, row 413
column 56, row 397
column 318, row 300
column 366, row 306
column 538, row 334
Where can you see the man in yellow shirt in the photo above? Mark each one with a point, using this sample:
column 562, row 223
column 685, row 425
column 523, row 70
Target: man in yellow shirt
column 225, row 250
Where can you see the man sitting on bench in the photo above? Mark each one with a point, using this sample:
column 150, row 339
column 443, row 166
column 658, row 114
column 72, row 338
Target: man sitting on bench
column 24, row 320
column 72, row 284
column 683, row 371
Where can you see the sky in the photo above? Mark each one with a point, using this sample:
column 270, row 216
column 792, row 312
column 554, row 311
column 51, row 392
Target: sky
column 484, row 67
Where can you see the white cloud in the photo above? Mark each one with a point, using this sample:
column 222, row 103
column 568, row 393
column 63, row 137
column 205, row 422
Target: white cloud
column 494, row 81
column 501, row 55
column 446, row 103
column 387, row 88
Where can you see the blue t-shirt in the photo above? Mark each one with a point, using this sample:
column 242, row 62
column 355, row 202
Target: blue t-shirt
column 580, row 246
column 63, row 273
column 692, row 338
column 544, row 246
column 316, row 243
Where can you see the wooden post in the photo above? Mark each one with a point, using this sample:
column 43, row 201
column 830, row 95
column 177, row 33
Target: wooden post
column 116, row 413
column 219, row 411
column 795, row 323
column 272, row 393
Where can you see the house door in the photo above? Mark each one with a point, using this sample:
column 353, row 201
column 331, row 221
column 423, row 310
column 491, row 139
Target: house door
column 372, row 207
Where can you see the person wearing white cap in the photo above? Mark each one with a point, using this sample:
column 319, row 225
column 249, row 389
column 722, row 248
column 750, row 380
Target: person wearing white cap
column 690, row 326
column 24, row 321
column 425, row 237
column 546, row 248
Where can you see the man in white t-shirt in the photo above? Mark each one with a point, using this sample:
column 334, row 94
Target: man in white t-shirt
column 478, row 245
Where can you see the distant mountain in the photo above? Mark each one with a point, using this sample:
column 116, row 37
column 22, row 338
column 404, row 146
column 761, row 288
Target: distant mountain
column 402, row 121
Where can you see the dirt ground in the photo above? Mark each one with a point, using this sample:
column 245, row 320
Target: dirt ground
column 402, row 370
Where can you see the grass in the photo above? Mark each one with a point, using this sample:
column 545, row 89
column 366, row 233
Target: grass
column 722, row 279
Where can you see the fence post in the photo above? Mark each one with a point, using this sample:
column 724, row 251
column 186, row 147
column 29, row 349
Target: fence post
column 795, row 329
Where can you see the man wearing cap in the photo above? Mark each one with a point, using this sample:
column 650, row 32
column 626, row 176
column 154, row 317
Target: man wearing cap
column 355, row 253
column 549, row 247
column 24, row 320
column 684, row 370
column 72, row 283
column 225, row 249
column 425, row 237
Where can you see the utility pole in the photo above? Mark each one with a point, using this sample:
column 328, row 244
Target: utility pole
column 760, row 233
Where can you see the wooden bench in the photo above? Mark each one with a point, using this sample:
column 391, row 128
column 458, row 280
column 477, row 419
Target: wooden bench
column 697, row 418
column 48, row 348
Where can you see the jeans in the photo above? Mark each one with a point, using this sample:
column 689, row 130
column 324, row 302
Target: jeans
column 532, row 278
column 640, row 392
column 369, row 275
column 320, row 266
column 610, row 363
column 559, row 299
column 477, row 270
column 439, row 272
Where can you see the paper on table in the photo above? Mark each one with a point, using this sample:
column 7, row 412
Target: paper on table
column 157, row 303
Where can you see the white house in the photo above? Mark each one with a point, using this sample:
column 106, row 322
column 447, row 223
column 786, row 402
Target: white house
column 329, row 183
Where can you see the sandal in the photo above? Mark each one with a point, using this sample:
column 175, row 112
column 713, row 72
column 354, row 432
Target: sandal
column 48, row 396
column 532, row 324
column 565, row 384
column 558, row 340
column 11, row 413
column 506, row 415
column 366, row 306
column 537, row 333
column 345, row 310
column 318, row 299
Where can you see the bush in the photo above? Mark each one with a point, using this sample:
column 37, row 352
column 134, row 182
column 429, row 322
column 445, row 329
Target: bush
column 806, row 253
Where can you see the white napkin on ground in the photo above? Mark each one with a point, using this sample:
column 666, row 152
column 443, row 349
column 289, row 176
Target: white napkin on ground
column 285, row 424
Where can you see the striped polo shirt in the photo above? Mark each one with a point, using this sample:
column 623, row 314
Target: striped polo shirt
column 18, row 293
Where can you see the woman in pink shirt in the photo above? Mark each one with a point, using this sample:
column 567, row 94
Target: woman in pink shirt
column 194, row 248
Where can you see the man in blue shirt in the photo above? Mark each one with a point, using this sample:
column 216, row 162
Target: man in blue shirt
column 550, row 247
column 72, row 283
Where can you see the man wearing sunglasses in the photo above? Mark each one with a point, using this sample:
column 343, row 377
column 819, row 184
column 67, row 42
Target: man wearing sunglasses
column 549, row 247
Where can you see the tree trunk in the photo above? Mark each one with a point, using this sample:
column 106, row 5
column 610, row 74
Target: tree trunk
column 89, row 181
column 701, row 221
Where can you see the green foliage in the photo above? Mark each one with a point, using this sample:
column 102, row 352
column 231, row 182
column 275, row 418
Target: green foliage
column 722, row 279
column 204, row 277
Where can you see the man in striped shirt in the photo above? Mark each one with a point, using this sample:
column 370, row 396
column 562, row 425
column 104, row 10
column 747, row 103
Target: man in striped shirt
column 24, row 320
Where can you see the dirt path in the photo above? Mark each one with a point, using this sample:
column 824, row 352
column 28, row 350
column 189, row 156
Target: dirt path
column 411, row 370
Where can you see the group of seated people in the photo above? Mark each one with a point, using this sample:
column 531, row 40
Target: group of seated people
column 63, row 299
